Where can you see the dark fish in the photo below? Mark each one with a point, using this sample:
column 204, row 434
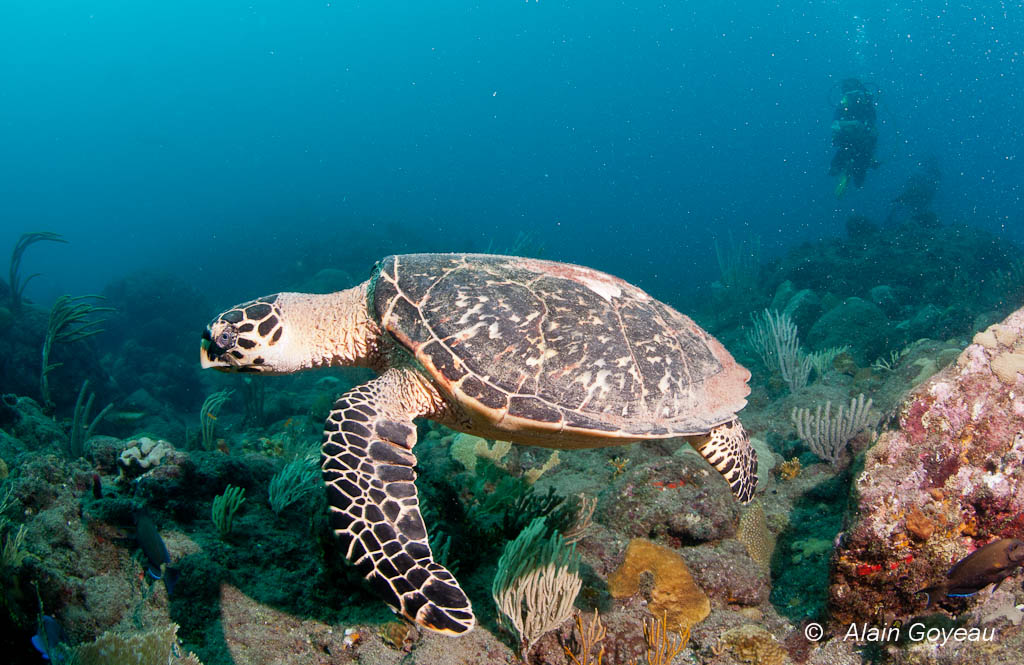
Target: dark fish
column 990, row 564
column 155, row 550
column 49, row 636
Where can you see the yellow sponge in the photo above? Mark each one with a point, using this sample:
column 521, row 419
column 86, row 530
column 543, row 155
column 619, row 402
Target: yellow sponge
column 675, row 595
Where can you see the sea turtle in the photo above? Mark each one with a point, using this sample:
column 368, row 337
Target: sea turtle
column 537, row 352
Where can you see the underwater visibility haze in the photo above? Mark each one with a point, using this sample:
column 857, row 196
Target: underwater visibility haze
column 816, row 211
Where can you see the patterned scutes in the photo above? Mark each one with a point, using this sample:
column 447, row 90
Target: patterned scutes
column 551, row 343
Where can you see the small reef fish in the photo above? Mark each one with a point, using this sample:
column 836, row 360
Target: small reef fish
column 49, row 636
column 155, row 550
column 124, row 417
column 990, row 564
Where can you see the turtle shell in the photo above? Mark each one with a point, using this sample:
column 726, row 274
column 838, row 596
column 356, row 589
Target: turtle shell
column 529, row 345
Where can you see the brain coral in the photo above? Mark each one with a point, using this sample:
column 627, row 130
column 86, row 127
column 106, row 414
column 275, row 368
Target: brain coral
column 751, row 644
column 754, row 534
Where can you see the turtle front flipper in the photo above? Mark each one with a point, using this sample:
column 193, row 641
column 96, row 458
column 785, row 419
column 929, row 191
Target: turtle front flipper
column 367, row 464
column 727, row 448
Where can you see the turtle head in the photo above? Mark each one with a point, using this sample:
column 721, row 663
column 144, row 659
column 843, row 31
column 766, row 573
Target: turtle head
column 289, row 332
column 251, row 337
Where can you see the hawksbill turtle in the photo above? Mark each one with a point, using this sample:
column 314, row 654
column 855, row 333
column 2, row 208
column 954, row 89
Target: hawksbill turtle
column 536, row 352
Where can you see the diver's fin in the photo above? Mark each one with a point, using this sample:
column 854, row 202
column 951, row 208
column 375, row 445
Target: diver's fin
column 842, row 185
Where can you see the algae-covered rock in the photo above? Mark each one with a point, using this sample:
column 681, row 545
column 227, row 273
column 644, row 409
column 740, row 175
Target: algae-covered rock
column 955, row 464
column 157, row 646
column 803, row 308
column 678, row 500
column 884, row 296
column 725, row 573
column 857, row 323
column 925, row 320
column 34, row 428
column 783, row 293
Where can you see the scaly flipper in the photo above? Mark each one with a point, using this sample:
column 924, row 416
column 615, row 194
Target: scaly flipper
column 727, row 448
column 367, row 464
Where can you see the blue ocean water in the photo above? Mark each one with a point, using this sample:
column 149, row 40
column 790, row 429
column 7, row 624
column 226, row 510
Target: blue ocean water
column 200, row 137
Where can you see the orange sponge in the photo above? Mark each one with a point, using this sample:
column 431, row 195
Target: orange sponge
column 675, row 595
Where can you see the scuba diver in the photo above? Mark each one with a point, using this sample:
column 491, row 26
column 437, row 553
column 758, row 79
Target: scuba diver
column 854, row 134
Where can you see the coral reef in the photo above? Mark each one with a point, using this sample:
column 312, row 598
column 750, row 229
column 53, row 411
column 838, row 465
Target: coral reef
column 467, row 449
column 273, row 587
column 948, row 480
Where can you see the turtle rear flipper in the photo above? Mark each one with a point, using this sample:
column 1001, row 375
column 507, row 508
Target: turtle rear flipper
column 727, row 448
column 367, row 464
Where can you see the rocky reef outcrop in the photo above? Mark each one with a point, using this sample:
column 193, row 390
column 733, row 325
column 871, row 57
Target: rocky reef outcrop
column 947, row 479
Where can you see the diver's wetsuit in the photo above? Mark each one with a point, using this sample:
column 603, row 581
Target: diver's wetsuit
column 854, row 134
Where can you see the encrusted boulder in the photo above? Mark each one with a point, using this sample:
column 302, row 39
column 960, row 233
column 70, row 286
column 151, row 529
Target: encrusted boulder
column 803, row 306
column 677, row 500
column 725, row 573
column 34, row 429
column 783, row 293
column 885, row 297
column 948, row 480
column 857, row 323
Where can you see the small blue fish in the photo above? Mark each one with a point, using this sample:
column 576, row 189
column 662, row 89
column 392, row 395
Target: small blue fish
column 155, row 550
column 49, row 636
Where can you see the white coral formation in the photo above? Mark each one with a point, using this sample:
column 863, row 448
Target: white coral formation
column 1006, row 347
column 827, row 435
column 466, row 449
column 143, row 454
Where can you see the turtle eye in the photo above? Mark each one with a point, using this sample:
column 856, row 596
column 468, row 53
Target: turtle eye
column 227, row 338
